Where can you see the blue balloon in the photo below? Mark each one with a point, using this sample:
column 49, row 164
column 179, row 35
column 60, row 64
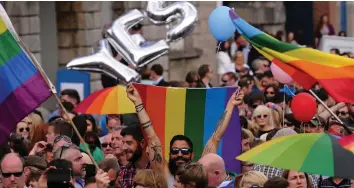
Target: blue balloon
column 220, row 24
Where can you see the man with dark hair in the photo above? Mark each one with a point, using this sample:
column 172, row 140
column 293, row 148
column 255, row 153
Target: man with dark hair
column 156, row 75
column 267, row 79
column 205, row 73
column 276, row 182
column 67, row 95
column 245, row 143
column 137, row 154
column 181, row 152
column 70, row 95
column 57, row 128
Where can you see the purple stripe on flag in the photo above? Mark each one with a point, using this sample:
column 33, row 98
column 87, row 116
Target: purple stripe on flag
column 231, row 146
column 22, row 102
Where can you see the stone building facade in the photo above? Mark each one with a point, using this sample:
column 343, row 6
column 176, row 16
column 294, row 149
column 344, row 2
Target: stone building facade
column 56, row 32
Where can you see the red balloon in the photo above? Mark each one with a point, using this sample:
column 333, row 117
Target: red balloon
column 304, row 107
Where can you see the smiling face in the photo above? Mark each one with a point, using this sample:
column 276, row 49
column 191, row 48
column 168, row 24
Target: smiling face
column 180, row 153
column 132, row 148
column 343, row 112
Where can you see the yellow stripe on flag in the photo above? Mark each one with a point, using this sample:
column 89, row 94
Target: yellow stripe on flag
column 175, row 115
column 125, row 105
column 318, row 57
column 3, row 26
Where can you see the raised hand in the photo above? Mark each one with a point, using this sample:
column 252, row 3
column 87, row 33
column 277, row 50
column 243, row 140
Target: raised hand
column 236, row 99
column 133, row 94
column 102, row 179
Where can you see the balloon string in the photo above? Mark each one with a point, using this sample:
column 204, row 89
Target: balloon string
column 218, row 47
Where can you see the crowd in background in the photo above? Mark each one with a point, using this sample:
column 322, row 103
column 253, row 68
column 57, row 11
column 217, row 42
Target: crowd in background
column 46, row 152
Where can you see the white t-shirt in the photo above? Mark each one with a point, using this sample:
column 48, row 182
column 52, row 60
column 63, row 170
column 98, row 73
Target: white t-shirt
column 224, row 63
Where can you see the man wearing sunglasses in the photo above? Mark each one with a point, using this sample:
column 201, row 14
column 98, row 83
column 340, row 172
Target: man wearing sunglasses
column 181, row 152
column 11, row 167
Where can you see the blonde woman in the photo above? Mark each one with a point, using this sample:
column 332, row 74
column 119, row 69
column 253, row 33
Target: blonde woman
column 264, row 120
column 36, row 120
column 252, row 178
column 150, row 178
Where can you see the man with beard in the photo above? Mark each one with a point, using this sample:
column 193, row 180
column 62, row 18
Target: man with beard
column 181, row 152
column 134, row 144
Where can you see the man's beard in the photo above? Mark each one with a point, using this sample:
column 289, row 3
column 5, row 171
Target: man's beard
column 136, row 155
column 172, row 163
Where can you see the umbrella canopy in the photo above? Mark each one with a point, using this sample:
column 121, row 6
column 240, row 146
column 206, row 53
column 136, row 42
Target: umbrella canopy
column 318, row 153
column 112, row 100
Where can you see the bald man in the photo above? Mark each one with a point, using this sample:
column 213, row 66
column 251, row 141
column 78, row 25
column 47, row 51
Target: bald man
column 12, row 171
column 215, row 167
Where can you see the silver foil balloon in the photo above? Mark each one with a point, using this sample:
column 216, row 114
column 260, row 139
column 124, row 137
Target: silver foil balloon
column 120, row 39
column 160, row 15
column 104, row 62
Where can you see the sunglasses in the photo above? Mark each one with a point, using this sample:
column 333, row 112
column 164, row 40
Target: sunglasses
column 22, row 129
column 224, row 81
column 184, row 151
column 342, row 113
column 104, row 145
column 262, row 116
column 66, row 146
column 7, row 175
column 272, row 93
column 62, row 137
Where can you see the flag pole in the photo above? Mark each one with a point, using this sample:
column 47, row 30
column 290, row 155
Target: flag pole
column 10, row 27
column 54, row 93
column 331, row 112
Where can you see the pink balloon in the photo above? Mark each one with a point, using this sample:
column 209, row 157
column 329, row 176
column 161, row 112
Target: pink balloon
column 280, row 75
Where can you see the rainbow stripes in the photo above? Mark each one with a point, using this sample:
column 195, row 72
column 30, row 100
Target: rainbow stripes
column 22, row 88
column 173, row 111
column 347, row 142
column 305, row 65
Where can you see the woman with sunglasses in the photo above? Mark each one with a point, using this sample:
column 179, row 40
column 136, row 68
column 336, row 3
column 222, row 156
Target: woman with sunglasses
column 263, row 119
column 191, row 175
column 23, row 128
column 253, row 179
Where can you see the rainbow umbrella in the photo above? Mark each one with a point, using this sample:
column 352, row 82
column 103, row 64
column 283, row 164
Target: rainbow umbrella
column 112, row 100
column 347, row 142
column 318, row 153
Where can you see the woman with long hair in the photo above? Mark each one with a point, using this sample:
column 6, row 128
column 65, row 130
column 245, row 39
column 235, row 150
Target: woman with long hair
column 324, row 28
column 40, row 134
column 263, row 119
column 94, row 144
column 91, row 123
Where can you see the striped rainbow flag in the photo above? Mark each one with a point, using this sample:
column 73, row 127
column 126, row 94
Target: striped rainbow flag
column 347, row 142
column 173, row 111
column 305, row 65
column 22, row 88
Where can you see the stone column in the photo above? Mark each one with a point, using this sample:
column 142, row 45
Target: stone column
column 24, row 16
column 79, row 28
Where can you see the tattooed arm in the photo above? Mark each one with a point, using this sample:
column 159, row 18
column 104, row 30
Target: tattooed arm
column 213, row 142
column 154, row 145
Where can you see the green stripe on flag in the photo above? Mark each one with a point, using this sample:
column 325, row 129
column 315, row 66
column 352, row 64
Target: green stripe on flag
column 263, row 40
column 8, row 47
column 194, row 119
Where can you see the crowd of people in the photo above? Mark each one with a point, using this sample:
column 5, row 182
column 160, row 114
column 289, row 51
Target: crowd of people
column 47, row 152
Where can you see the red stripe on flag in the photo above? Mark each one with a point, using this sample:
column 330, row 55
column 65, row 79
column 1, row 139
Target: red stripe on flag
column 156, row 108
column 302, row 78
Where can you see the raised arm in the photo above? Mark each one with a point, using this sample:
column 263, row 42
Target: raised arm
column 213, row 142
column 154, row 145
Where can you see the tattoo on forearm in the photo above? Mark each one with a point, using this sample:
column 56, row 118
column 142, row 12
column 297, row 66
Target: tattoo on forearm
column 157, row 158
column 220, row 123
column 207, row 149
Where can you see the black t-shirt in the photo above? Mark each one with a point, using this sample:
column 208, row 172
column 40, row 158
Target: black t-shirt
column 260, row 133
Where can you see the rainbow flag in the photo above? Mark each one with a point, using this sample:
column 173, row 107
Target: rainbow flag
column 305, row 65
column 22, row 88
column 173, row 111
column 347, row 142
